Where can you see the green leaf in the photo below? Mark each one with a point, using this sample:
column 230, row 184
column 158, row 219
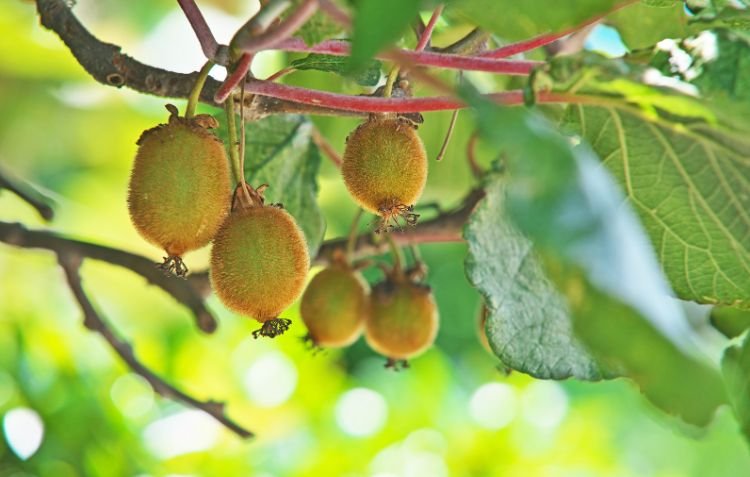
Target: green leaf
column 517, row 20
column 528, row 325
column 645, row 24
column 736, row 367
column 377, row 24
column 279, row 152
column 565, row 201
column 369, row 75
column 731, row 322
column 726, row 79
column 690, row 184
column 319, row 28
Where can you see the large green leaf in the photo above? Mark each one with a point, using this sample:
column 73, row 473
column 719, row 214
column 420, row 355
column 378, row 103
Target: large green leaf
column 567, row 204
column 731, row 322
column 516, row 20
column 377, row 24
column 279, row 152
column 690, row 184
column 528, row 325
column 736, row 367
column 644, row 24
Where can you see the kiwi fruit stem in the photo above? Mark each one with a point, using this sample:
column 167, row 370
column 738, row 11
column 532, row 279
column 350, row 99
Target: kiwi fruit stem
column 351, row 241
column 398, row 258
column 390, row 81
column 195, row 93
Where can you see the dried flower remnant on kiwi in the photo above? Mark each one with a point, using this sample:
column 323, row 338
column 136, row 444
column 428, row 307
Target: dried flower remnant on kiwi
column 179, row 186
column 259, row 260
column 385, row 169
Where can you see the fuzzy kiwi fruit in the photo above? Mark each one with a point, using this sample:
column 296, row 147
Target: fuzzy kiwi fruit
column 259, row 261
column 334, row 306
column 385, row 168
column 179, row 186
column 403, row 318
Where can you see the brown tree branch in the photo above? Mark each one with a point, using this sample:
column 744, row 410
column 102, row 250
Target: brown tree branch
column 189, row 293
column 31, row 197
column 70, row 264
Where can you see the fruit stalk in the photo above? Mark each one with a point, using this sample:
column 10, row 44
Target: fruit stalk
column 195, row 93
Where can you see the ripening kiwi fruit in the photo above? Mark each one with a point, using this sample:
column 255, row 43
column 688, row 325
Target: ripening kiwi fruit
column 259, row 261
column 179, row 186
column 334, row 306
column 403, row 318
column 385, row 168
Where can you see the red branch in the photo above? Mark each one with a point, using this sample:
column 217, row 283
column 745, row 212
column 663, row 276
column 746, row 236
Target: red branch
column 263, row 41
column 208, row 42
column 235, row 78
column 420, row 58
column 427, row 33
column 373, row 104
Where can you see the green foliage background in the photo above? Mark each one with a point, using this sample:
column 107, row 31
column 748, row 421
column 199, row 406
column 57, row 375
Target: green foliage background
column 75, row 140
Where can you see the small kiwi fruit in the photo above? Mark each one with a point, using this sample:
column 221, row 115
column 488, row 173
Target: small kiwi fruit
column 179, row 186
column 334, row 305
column 259, row 261
column 385, row 168
column 403, row 318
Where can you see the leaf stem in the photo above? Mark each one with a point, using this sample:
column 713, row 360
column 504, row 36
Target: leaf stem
column 195, row 93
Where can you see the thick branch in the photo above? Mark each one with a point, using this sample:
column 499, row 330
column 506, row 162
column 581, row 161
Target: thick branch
column 94, row 322
column 188, row 293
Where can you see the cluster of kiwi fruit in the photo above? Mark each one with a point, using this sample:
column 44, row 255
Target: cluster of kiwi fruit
column 180, row 199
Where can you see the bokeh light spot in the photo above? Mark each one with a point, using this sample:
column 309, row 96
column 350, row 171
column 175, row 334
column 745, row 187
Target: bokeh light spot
column 361, row 412
column 544, row 404
column 181, row 433
column 493, row 405
column 24, row 431
column 132, row 395
column 270, row 380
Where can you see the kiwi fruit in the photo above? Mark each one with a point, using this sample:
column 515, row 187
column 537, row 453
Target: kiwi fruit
column 334, row 306
column 403, row 319
column 385, row 168
column 259, row 261
column 179, row 186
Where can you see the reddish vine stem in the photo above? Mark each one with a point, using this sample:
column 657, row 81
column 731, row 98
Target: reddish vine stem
column 326, row 147
column 419, row 58
column 547, row 38
column 235, row 78
column 252, row 43
column 427, row 33
column 335, row 13
column 206, row 38
column 94, row 322
column 385, row 105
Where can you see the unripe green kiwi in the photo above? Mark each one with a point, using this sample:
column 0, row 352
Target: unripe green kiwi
column 385, row 167
column 403, row 318
column 259, row 261
column 334, row 306
column 179, row 186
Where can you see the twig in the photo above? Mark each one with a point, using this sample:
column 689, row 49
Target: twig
column 28, row 196
column 208, row 42
column 326, row 147
column 70, row 264
column 424, row 39
column 448, row 135
column 418, row 58
column 188, row 292
column 251, row 42
column 234, row 78
column 471, row 155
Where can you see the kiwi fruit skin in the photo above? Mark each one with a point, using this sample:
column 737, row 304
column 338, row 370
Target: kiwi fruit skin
column 334, row 307
column 385, row 164
column 403, row 319
column 259, row 261
column 179, row 186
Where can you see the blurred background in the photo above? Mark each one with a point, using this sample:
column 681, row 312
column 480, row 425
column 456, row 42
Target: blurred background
column 69, row 407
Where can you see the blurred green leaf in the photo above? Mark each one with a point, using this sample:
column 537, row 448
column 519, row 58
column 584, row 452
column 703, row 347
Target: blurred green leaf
column 562, row 199
column 528, row 325
column 279, row 152
column 736, row 367
column 645, row 24
column 319, row 28
column 516, row 20
column 731, row 322
column 726, row 17
column 690, row 184
column 369, row 75
column 377, row 24
column 727, row 77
